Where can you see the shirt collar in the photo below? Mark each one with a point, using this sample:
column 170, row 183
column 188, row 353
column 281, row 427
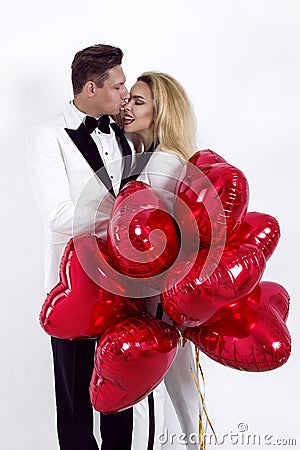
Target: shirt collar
column 83, row 115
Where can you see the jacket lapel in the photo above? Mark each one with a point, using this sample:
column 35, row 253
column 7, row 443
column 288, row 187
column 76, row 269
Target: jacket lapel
column 87, row 147
column 142, row 161
column 126, row 151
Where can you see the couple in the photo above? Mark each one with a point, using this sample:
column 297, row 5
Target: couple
column 74, row 150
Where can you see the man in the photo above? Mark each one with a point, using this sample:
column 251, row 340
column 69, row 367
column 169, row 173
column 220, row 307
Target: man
column 69, row 154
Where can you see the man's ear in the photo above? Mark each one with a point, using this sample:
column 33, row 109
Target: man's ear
column 90, row 88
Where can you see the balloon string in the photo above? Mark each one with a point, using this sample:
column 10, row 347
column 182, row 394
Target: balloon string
column 202, row 408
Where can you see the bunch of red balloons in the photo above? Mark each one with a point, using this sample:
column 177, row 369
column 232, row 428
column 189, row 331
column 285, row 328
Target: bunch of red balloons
column 221, row 304
column 207, row 263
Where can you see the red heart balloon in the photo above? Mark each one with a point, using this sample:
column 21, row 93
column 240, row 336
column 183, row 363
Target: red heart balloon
column 197, row 297
column 260, row 230
column 251, row 334
column 78, row 307
column 206, row 157
column 217, row 196
column 132, row 358
column 142, row 236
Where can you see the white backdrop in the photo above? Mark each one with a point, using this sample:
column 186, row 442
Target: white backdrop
column 239, row 61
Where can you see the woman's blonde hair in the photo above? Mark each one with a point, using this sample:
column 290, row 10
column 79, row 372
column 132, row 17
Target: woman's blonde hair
column 174, row 125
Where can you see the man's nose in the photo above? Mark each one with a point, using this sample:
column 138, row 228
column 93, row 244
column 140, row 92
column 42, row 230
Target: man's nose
column 125, row 94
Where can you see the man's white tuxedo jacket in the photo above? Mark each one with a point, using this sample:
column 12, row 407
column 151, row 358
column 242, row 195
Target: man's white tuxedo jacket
column 67, row 189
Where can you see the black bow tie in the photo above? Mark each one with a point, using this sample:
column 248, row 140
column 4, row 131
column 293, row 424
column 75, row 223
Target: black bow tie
column 102, row 123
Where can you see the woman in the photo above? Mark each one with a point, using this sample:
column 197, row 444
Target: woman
column 159, row 113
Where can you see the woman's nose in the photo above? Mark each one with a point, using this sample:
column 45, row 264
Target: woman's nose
column 128, row 106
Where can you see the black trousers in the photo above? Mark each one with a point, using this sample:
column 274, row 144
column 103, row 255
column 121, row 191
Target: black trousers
column 73, row 366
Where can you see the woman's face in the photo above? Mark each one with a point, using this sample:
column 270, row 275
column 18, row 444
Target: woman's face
column 139, row 111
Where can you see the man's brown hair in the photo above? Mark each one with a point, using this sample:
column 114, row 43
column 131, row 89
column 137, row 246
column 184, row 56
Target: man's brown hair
column 93, row 64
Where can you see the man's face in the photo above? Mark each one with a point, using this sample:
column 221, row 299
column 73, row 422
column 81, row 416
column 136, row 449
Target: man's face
column 113, row 95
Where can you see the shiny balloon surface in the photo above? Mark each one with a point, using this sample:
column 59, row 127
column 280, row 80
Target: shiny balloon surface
column 77, row 307
column 217, row 196
column 142, row 237
column 251, row 334
column 206, row 157
column 261, row 230
column 197, row 297
column 131, row 360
